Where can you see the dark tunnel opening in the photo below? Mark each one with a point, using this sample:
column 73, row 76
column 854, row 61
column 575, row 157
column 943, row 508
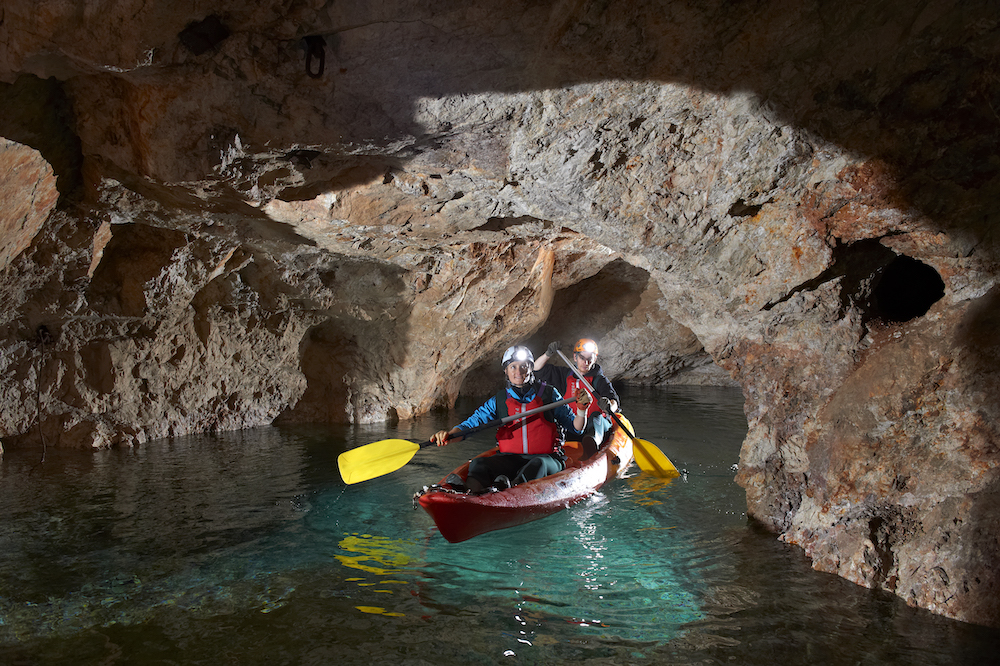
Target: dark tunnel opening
column 906, row 290
column 885, row 286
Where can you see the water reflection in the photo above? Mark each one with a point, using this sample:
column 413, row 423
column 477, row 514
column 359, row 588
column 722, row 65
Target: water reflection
column 648, row 490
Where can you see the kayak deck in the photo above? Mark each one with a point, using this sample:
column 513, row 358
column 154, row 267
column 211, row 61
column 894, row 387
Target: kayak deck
column 461, row 516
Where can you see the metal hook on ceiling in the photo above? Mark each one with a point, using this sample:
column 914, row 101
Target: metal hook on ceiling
column 315, row 50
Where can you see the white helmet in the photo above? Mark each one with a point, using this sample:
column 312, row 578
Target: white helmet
column 516, row 353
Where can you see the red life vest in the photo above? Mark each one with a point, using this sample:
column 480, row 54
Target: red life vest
column 533, row 435
column 573, row 384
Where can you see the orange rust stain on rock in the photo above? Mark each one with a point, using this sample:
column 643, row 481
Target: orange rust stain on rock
column 144, row 108
column 871, row 178
column 852, row 208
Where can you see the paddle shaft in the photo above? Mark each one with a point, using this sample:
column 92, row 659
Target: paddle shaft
column 579, row 375
column 505, row 420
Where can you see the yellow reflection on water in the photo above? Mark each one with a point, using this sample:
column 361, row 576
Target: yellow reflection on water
column 377, row 555
column 646, row 488
column 377, row 610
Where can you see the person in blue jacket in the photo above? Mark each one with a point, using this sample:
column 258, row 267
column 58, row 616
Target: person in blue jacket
column 530, row 448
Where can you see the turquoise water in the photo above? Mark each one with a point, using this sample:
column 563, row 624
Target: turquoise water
column 246, row 548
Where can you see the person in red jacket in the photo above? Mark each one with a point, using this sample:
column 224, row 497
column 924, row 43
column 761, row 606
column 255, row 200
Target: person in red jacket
column 602, row 405
column 529, row 448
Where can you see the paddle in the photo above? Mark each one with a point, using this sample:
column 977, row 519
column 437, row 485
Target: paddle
column 378, row 458
column 647, row 456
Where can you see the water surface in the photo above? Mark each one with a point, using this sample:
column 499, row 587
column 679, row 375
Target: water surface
column 247, row 548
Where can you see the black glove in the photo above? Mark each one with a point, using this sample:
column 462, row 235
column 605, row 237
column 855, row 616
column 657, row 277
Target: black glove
column 552, row 348
column 605, row 404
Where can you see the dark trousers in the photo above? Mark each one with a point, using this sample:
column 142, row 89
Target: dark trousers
column 515, row 466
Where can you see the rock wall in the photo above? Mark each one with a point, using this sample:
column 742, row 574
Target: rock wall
column 319, row 211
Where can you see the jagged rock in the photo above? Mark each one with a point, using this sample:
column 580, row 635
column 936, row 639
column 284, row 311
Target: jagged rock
column 344, row 211
column 27, row 199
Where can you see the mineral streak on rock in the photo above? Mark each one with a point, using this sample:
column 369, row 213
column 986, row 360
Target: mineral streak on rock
column 204, row 227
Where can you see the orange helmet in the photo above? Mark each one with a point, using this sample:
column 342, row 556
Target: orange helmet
column 585, row 346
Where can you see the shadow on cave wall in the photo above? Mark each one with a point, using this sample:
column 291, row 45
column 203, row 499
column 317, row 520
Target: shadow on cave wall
column 327, row 355
column 979, row 337
column 135, row 254
column 355, row 348
column 590, row 308
column 38, row 113
column 981, row 547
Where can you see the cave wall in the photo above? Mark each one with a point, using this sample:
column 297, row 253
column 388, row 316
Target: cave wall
column 335, row 211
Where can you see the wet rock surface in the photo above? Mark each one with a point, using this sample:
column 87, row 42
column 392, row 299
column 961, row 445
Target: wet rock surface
column 343, row 212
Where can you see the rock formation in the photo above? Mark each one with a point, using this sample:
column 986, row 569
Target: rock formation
column 333, row 211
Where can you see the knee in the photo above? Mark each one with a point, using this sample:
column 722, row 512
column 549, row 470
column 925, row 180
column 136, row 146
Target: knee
column 479, row 469
column 534, row 469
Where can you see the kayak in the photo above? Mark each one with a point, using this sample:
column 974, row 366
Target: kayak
column 460, row 516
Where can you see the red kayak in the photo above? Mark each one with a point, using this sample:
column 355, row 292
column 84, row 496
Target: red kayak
column 461, row 516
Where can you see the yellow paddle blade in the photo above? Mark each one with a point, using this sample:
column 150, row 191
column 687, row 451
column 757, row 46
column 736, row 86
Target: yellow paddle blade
column 651, row 459
column 371, row 460
column 647, row 456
